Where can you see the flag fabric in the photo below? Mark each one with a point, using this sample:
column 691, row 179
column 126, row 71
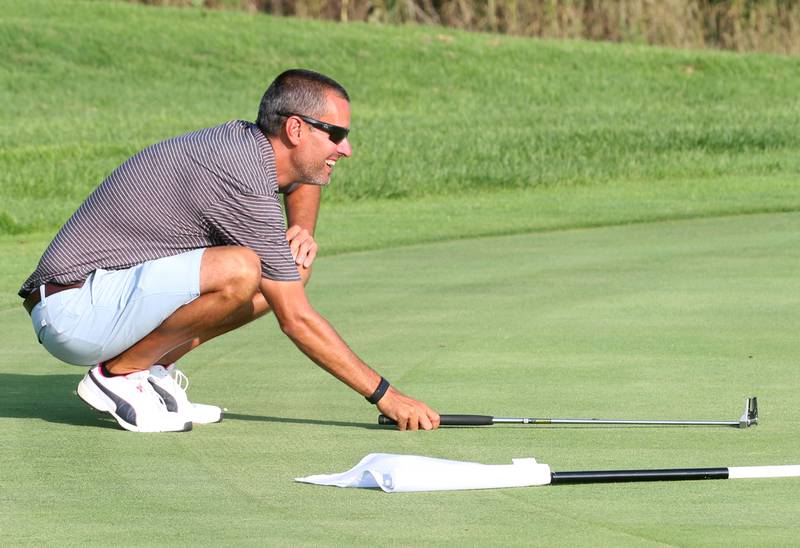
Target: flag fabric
column 411, row 473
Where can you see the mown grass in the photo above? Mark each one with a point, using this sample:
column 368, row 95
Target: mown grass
column 679, row 319
column 456, row 136
column 373, row 224
column 435, row 113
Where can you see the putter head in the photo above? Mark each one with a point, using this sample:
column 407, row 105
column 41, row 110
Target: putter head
column 750, row 415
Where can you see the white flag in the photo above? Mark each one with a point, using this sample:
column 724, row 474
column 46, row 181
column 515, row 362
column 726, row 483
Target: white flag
column 409, row 473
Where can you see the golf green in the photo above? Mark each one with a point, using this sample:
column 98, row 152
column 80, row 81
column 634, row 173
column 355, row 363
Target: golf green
column 678, row 319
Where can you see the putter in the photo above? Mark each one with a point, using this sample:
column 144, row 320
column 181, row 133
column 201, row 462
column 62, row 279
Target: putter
column 748, row 418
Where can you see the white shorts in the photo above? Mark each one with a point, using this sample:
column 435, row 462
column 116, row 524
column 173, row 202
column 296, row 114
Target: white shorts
column 114, row 309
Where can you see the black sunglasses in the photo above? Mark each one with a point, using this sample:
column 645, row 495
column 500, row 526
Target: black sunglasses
column 337, row 134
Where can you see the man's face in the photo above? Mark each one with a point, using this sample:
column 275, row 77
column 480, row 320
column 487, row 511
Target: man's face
column 317, row 154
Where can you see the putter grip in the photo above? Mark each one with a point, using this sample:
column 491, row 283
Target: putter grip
column 451, row 420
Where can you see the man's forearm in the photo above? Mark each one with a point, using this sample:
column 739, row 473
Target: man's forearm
column 317, row 339
column 302, row 207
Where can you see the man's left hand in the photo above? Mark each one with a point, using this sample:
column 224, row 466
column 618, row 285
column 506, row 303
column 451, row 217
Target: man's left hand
column 302, row 244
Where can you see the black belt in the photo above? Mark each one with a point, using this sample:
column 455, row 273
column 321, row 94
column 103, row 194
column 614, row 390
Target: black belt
column 49, row 289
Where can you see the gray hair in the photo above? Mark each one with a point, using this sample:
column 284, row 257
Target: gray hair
column 298, row 91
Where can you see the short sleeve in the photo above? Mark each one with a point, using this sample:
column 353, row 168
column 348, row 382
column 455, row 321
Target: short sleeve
column 255, row 222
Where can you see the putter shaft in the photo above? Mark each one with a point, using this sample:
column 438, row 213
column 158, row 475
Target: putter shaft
column 486, row 420
column 748, row 418
column 503, row 420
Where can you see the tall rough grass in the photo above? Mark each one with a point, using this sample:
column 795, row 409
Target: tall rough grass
column 740, row 25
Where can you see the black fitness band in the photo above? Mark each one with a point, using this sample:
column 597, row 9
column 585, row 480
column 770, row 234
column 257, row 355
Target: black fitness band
column 376, row 396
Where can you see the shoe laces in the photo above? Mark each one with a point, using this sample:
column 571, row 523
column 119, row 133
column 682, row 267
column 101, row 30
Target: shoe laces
column 181, row 380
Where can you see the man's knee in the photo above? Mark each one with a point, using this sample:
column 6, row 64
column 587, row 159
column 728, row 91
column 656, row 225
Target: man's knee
column 233, row 270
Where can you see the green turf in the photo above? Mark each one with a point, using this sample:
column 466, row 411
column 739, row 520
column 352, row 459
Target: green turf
column 674, row 319
column 490, row 248
column 380, row 224
column 435, row 112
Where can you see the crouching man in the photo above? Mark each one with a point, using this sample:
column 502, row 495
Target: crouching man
column 186, row 241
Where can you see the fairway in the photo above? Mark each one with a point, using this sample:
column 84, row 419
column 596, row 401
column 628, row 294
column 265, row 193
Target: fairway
column 678, row 319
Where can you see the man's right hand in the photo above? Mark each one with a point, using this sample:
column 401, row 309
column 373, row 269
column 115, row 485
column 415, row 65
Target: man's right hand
column 409, row 413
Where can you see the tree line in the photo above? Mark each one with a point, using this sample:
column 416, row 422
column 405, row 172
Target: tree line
column 739, row 25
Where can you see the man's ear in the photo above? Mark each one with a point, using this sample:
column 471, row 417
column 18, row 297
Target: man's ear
column 293, row 129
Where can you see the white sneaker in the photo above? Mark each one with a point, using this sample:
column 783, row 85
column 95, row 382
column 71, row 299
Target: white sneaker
column 131, row 400
column 171, row 384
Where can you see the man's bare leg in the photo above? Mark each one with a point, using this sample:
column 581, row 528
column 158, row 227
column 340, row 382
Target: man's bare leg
column 246, row 314
column 229, row 297
column 240, row 317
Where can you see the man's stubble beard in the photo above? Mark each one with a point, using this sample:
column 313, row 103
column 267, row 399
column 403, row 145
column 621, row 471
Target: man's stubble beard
column 310, row 176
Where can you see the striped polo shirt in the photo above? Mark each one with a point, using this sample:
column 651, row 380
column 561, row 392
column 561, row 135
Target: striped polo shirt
column 215, row 186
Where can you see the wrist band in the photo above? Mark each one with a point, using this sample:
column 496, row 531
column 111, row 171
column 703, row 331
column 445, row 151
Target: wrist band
column 376, row 396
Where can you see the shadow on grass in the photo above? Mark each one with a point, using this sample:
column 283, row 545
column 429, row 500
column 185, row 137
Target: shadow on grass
column 365, row 426
column 50, row 398
column 290, row 420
